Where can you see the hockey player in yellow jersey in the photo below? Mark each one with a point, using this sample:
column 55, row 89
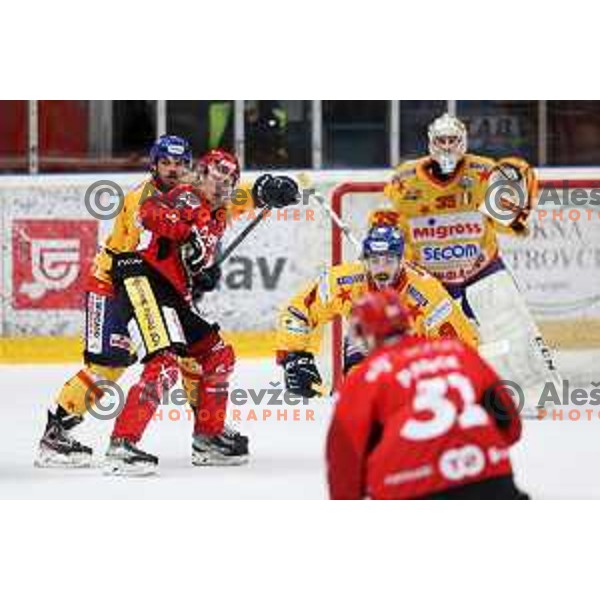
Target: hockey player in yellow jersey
column 382, row 264
column 108, row 349
column 441, row 201
column 452, row 206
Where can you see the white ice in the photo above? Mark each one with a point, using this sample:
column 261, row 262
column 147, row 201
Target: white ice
column 555, row 459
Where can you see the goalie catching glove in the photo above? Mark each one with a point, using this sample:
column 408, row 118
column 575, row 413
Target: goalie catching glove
column 301, row 373
column 277, row 191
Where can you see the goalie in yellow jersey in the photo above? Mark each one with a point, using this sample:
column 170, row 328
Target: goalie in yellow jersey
column 382, row 265
column 451, row 206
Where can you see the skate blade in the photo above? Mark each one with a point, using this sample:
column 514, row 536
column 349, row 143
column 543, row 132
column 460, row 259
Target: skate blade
column 53, row 460
column 128, row 470
column 211, row 460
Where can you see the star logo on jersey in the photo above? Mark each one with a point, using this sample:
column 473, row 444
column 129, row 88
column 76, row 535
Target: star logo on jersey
column 344, row 296
column 484, row 175
column 414, row 312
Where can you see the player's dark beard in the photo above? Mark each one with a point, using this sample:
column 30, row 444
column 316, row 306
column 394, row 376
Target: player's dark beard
column 382, row 279
column 166, row 184
column 171, row 177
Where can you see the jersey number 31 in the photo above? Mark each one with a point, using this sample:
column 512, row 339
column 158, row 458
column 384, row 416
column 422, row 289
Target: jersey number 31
column 432, row 397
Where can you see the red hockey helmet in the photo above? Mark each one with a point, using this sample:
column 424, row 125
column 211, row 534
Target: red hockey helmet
column 222, row 163
column 378, row 316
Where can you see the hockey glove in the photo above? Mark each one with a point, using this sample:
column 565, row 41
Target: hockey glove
column 275, row 192
column 301, row 373
column 206, row 281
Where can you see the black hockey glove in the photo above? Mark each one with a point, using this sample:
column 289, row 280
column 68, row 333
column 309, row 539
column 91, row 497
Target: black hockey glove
column 206, row 281
column 192, row 254
column 300, row 373
column 275, row 191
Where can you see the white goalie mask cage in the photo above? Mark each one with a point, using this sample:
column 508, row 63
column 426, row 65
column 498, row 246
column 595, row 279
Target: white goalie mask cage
column 447, row 141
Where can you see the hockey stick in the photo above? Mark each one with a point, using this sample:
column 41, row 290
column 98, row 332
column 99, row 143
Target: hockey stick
column 240, row 237
column 344, row 227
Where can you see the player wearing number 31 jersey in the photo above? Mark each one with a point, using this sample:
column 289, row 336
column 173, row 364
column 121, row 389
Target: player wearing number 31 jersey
column 419, row 418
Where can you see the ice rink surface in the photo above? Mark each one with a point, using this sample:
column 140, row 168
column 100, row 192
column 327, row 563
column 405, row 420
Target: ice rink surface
column 555, row 459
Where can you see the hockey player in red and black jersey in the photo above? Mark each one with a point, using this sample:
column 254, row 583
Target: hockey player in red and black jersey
column 174, row 265
column 419, row 418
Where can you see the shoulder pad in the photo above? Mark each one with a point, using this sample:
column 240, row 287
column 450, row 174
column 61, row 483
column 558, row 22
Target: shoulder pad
column 479, row 163
column 405, row 170
column 417, row 270
column 141, row 191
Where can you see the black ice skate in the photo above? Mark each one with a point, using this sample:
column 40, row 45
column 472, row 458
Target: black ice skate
column 227, row 448
column 124, row 458
column 57, row 448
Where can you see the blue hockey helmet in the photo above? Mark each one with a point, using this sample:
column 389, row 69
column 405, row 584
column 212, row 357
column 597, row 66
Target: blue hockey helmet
column 171, row 146
column 383, row 239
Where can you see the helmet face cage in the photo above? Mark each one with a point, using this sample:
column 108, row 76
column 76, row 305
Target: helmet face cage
column 223, row 168
column 221, row 164
column 447, row 142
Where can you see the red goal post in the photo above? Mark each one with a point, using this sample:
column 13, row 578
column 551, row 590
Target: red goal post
column 339, row 199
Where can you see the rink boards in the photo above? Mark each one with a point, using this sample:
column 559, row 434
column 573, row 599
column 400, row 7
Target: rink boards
column 49, row 239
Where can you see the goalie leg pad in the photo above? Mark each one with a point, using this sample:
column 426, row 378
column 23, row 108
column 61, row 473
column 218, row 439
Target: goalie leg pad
column 516, row 347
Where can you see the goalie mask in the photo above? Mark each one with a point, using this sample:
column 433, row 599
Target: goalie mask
column 383, row 256
column 447, row 142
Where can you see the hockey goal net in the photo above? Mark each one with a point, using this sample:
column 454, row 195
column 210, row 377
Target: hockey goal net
column 557, row 267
